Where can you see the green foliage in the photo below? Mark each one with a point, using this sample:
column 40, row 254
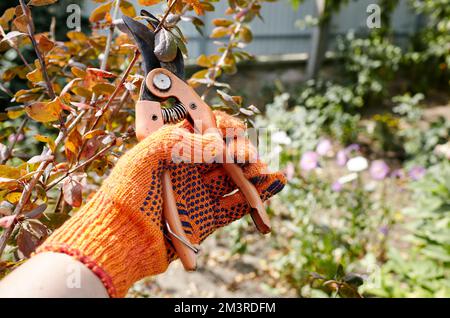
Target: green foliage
column 419, row 138
column 430, row 51
column 423, row 269
column 369, row 64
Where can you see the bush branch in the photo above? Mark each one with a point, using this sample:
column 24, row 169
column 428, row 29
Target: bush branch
column 30, row 27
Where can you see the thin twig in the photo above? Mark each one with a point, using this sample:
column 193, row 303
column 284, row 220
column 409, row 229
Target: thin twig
column 15, row 48
column 166, row 14
column 120, row 104
column 30, row 27
column 111, row 98
column 116, row 91
column 6, row 90
column 81, row 165
column 14, row 141
column 213, row 75
column 26, row 193
column 106, row 54
column 52, row 29
column 22, row 201
column 112, row 27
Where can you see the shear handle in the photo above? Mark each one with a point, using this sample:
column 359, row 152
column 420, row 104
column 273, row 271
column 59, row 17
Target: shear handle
column 148, row 120
column 203, row 118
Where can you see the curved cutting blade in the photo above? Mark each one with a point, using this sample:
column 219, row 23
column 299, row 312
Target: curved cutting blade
column 145, row 41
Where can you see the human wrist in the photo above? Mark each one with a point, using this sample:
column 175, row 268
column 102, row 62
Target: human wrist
column 117, row 244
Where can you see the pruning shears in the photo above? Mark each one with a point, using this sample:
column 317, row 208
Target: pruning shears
column 163, row 81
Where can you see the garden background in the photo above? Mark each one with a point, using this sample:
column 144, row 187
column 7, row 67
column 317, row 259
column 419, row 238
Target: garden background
column 361, row 118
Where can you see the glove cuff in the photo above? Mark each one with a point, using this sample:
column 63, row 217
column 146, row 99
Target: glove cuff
column 117, row 244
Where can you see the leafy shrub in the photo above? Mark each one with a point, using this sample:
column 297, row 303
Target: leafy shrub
column 72, row 114
column 422, row 269
column 419, row 138
column 429, row 58
column 370, row 65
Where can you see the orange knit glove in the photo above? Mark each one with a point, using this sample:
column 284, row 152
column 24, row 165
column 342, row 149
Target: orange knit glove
column 119, row 233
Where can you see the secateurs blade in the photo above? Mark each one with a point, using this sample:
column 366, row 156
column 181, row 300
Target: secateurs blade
column 163, row 81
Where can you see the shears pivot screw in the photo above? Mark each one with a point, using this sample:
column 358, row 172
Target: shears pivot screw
column 193, row 106
column 162, row 81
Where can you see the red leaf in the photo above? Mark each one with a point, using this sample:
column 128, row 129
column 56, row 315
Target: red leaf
column 100, row 73
column 31, row 235
column 73, row 192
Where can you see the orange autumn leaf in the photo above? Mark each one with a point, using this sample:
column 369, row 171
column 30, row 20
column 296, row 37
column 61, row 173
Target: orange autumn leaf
column 100, row 73
column 35, row 76
column 44, row 111
column 148, row 2
column 44, row 43
column 196, row 5
column 100, row 12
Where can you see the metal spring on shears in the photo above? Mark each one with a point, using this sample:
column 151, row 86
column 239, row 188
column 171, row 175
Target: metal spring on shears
column 174, row 114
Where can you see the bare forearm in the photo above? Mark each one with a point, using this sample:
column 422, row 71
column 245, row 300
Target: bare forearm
column 52, row 275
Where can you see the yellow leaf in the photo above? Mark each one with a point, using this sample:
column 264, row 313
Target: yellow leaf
column 27, row 95
column 81, row 91
column 44, row 111
column 127, row 8
column 7, row 16
column 78, row 72
column 38, row 3
column 222, row 22
column 203, row 61
column 100, row 12
column 245, row 35
column 69, row 145
column 13, row 197
column 219, row 32
column 93, row 133
column 200, row 74
column 35, row 76
column 13, row 114
column 103, row 88
column 198, row 7
column 8, row 75
column 9, row 172
column 72, row 145
column 47, row 140
column 77, row 36
column 148, row 2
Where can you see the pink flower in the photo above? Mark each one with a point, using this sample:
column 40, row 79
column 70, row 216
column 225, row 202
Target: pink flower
column 13, row 136
column 324, row 147
column 309, row 161
column 7, row 221
column 398, row 173
column 336, row 186
column 290, row 171
column 379, row 170
column 352, row 148
column 341, row 158
column 417, row 172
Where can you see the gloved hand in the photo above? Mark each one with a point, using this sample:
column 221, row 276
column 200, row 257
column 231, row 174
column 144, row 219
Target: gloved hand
column 119, row 233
